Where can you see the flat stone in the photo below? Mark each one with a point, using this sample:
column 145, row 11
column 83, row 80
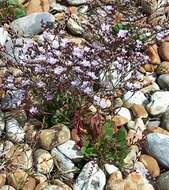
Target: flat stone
column 165, row 120
column 164, row 51
column 152, row 52
column 31, row 24
column 157, row 145
column 163, row 68
column 139, row 111
column 124, row 112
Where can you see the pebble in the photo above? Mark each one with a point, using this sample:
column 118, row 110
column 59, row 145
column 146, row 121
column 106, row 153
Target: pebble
column 151, row 164
column 56, row 135
column 4, row 36
column 77, row 2
column 90, row 178
column 159, row 102
column 74, row 26
column 110, row 168
column 137, row 97
column 163, row 51
column 7, row 187
column 139, row 111
column 31, row 24
column 2, row 122
column 70, row 150
column 152, row 52
column 163, row 181
column 2, row 179
column 14, row 131
column 163, row 81
column 64, row 164
column 124, row 112
column 157, row 145
column 30, row 184
column 163, row 68
column 44, row 161
column 165, row 119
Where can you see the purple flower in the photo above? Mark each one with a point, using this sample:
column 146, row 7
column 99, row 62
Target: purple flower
column 122, row 33
column 59, row 70
column 77, row 52
column 92, row 75
column 39, row 68
column 40, row 84
column 33, row 110
column 51, row 60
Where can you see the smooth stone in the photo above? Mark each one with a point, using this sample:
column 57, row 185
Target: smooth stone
column 30, row 184
column 65, row 165
column 77, row 2
column 163, row 81
column 163, row 51
column 31, row 24
column 124, row 112
column 163, row 181
column 57, row 8
column 14, row 131
column 110, row 168
column 139, row 111
column 7, row 187
column 163, row 68
column 20, row 156
column 150, row 88
column 157, row 145
column 56, row 135
column 17, row 178
column 90, row 178
column 44, row 161
column 119, row 121
column 165, row 119
column 159, row 102
column 2, row 179
column 151, row 164
column 152, row 52
column 135, row 98
column 136, row 125
column 70, row 150
column 74, row 26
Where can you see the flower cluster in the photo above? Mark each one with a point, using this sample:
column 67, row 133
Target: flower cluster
column 108, row 58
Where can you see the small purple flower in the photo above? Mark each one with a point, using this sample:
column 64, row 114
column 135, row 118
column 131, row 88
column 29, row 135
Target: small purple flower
column 59, row 70
column 77, row 52
column 51, row 60
column 33, row 110
column 122, row 33
column 40, row 84
column 92, row 75
column 39, row 69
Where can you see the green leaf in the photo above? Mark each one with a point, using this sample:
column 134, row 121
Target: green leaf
column 11, row 2
column 19, row 12
column 120, row 135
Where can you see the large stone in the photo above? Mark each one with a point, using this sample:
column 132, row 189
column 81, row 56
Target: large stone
column 159, row 102
column 151, row 164
column 163, row 81
column 14, row 131
column 63, row 163
column 31, row 24
column 164, row 51
column 124, row 112
column 90, row 178
column 44, row 161
column 157, row 145
column 56, row 135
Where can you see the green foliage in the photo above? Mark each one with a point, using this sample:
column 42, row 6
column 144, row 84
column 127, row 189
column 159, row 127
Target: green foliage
column 10, row 10
column 107, row 148
column 61, row 109
column 119, row 26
